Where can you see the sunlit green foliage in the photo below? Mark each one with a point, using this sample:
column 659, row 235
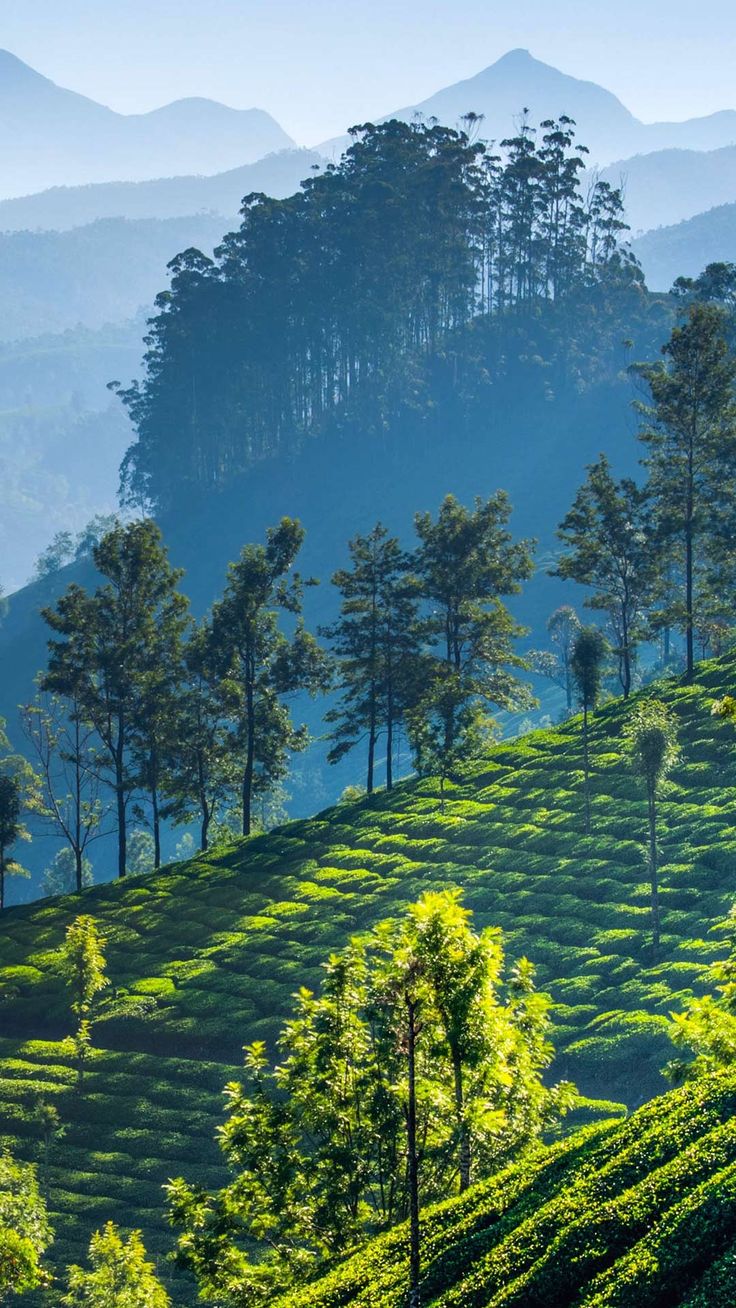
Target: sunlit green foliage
column 119, row 1276
column 25, row 1233
column 217, row 946
column 639, row 1214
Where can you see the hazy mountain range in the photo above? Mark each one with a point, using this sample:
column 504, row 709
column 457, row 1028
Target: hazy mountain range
column 64, row 207
column 605, row 125
column 50, row 136
column 83, row 249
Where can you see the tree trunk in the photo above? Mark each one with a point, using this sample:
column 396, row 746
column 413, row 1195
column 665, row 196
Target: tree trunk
column 462, row 1126
column 371, row 756
column 78, row 868
column 625, row 659
column 390, row 737
column 689, row 634
column 412, row 1158
column 2, row 880
column 653, row 869
column 250, row 759
column 204, row 828
column 156, row 822
column 122, row 816
column 586, row 769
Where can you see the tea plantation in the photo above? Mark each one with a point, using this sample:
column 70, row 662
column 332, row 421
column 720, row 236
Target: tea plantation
column 640, row 1214
column 205, row 956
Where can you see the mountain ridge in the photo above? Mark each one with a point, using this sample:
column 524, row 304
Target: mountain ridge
column 518, row 80
column 51, row 135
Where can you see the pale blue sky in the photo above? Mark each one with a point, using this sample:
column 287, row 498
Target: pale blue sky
column 319, row 65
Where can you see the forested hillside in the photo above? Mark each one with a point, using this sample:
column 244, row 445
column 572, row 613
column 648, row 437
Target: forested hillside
column 206, row 955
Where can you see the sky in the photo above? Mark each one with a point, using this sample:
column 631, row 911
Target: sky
column 320, row 65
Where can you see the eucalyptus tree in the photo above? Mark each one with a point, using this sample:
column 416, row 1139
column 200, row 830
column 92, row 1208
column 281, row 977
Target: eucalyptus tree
column 105, row 650
column 119, row 1275
column 609, row 547
column 467, row 562
column 587, row 669
column 65, row 750
column 375, row 641
column 689, row 430
column 262, row 664
column 651, row 740
column 201, row 776
column 83, row 965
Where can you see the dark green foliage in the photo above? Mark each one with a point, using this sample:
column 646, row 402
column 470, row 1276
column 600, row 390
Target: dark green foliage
column 690, row 433
column 262, row 665
column 376, row 643
column 105, row 660
column 324, row 307
column 609, row 547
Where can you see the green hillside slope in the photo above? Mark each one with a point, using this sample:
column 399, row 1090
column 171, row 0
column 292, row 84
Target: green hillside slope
column 215, row 948
column 634, row 1215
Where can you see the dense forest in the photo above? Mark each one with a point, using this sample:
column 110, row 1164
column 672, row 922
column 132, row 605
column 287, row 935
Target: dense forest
column 324, row 310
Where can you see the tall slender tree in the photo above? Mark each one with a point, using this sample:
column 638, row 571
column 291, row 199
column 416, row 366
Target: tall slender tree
column 610, row 548
column 689, row 430
column 375, row 641
column 65, row 750
column 201, row 777
column 651, row 738
column 261, row 662
column 587, row 669
column 102, row 656
column 467, row 562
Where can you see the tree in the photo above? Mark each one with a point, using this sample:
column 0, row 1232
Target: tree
column 417, row 1060
column 25, row 1233
column 56, row 556
column 67, row 764
column 375, row 641
column 105, row 657
column 466, row 561
column 11, row 829
column 261, row 663
column 61, row 877
column 706, row 1028
column 587, row 669
column 609, row 547
column 201, row 777
column 690, row 433
column 562, row 627
column 120, row 1275
column 651, row 739
column 19, row 794
column 82, row 965
column 438, row 750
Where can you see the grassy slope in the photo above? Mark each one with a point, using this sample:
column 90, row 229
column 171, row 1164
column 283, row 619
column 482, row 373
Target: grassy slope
column 640, row 1214
column 218, row 945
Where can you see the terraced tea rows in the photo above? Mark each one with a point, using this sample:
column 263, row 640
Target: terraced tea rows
column 634, row 1215
column 207, row 954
